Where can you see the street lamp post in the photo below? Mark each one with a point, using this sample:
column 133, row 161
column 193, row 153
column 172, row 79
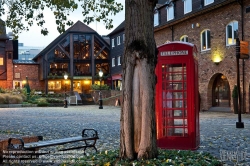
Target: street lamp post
column 65, row 100
column 100, row 93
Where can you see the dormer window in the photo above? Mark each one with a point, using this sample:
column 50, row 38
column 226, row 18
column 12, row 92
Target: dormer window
column 187, row 6
column 170, row 11
column 207, row 2
column 156, row 18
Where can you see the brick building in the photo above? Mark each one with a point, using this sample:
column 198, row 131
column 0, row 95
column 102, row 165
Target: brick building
column 80, row 52
column 211, row 25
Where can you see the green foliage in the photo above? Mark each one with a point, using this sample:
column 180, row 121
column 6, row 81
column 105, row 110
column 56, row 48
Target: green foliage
column 53, row 100
column 23, row 14
column 235, row 92
column 165, row 157
column 98, row 87
column 2, row 90
column 42, row 102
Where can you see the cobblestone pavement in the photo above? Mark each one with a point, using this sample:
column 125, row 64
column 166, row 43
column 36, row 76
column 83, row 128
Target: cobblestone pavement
column 219, row 135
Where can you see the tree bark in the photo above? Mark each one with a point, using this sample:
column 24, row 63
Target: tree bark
column 138, row 124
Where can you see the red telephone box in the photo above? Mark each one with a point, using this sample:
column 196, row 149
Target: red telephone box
column 177, row 96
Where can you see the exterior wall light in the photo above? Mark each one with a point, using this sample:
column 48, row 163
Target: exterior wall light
column 217, row 59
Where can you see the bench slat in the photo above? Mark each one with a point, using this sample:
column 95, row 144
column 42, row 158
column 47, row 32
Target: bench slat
column 41, row 144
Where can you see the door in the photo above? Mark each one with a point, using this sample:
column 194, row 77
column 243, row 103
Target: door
column 221, row 92
column 174, row 100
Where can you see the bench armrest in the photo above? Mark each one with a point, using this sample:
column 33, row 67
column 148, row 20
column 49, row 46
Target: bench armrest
column 11, row 146
column 90, row 133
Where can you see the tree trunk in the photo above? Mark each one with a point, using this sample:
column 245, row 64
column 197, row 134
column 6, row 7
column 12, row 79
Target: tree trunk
column 138, row 127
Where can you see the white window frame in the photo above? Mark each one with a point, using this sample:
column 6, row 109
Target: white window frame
column 113, row 43
column 206, row 40
column 113, row 62
column 156, row 18
column 187, row 6
column 184, row 38
column 207, row 2
column 119, row 60
column 118, row 40
column 123, row 37
column 234, row 28
column 170, row 12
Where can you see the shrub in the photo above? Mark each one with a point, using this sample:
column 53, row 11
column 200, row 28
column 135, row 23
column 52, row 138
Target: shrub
column 6, row 98
column 2, row 99
column 235, row 92
column 99, row 87
column 53, row 100
column 15, row 99
column 42, row 104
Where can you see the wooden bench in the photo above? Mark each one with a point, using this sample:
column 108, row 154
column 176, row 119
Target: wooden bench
column 88, row 138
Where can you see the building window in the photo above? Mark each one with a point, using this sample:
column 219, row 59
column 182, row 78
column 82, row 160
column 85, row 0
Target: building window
column 113, row 62
column 1, row 61
column 184, row 38
column 187, row 6
column 17, row 75
column 119, row 60
column 118, row 40
column 207, row 2
column 55, row 85
column 170, row 12
column 205, row 40
column 113, row 43
column 156, row 18
column 17, row 85
column 123, row 38
column 231, row 31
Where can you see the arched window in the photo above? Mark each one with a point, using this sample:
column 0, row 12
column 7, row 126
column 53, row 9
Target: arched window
column 205, row 40
column 184, row 38
column 231, row 33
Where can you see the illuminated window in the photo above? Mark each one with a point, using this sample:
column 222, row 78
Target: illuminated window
column 231, row 31
column 54, row 85
column 205, row 40
column 1, row 61
column 184, row 38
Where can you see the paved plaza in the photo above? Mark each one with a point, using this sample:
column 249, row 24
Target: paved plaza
column 219, row 135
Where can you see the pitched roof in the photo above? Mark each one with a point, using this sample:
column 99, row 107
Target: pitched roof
column 26, row 62
column 77, row 27
column 120, row 27
column 81, row 27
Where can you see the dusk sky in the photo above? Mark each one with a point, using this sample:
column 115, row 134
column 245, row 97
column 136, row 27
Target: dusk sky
column 33, row 37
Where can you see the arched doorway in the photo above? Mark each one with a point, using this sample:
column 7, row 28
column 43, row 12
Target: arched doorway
column 221, row 92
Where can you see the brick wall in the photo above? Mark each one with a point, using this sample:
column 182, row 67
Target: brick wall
column 216, row 21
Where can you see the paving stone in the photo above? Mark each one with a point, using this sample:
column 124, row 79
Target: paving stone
column 217, row 129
